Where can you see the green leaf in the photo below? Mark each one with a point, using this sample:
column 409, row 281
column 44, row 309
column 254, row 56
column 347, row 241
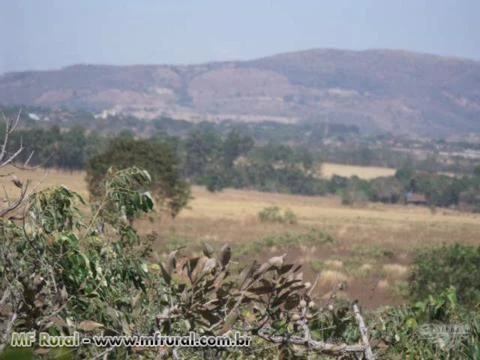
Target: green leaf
column 166, row 276
column 411, row 323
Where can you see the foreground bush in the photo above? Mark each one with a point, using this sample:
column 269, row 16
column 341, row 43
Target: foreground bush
column 59, row 275
column 64, row 271
column 456, row 265
column 437, row 327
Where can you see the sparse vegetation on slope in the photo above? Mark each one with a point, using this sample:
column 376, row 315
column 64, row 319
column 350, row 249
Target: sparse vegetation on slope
column 416, row 93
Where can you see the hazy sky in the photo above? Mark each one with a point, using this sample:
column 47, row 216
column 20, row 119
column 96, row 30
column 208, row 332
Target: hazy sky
column 45, row 34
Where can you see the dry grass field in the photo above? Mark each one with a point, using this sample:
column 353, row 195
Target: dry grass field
column 363, row 172
column 368, row 249
column 42, row 178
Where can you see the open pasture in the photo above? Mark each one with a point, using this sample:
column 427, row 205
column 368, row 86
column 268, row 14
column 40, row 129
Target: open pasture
column 367, row 249
column 363, row 172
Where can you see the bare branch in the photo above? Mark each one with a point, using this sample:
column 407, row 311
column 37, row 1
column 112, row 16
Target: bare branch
column 11, row 158
column 338, row 350
column 315, row 283
column 364, row 333
column 175, row 354
column 23, row 195
column 29, row 158
column 104, row 354
column 26, row 166
column 4, row 298
column 304, row 325
column 317, row 346
column 10, row 127
column 16, row 122
column 6, row 336
column 6, row 159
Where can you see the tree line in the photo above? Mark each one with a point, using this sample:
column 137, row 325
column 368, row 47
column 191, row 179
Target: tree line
column 332, row 142
column 232, row 160
column 438, row 189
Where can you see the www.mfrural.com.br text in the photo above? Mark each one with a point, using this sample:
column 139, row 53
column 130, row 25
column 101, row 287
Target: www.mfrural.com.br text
column 45, row 340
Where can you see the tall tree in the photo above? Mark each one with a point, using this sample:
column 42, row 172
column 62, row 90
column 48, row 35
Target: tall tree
column 157, row 158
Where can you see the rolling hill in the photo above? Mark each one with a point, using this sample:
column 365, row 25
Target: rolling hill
column 378, row 90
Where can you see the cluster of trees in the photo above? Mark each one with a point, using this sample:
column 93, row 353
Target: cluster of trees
column 202, row 156
column 439, row 190
column 364, row 154
column 307, row 134
column 235, row 161
column 68, row 149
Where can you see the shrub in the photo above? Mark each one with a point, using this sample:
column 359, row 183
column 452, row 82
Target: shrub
column 456, row 265
column 347, row 198
column 59, row 274
column 434, row 328
column 386, row 189
column 274, row 214
column 290, row 217
column 158, row 159
column 354, row 196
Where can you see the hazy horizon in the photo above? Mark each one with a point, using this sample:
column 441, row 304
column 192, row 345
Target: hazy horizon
column 53, row 34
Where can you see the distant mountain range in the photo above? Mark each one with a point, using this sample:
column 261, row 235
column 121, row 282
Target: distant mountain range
column 377, row 90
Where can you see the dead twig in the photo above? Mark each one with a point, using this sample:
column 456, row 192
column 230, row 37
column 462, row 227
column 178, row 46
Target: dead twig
column 317, row 346
column 16, row 204
column 364, row 333
column 10, row 126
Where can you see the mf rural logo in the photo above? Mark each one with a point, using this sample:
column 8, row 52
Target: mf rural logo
column 445, row 336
